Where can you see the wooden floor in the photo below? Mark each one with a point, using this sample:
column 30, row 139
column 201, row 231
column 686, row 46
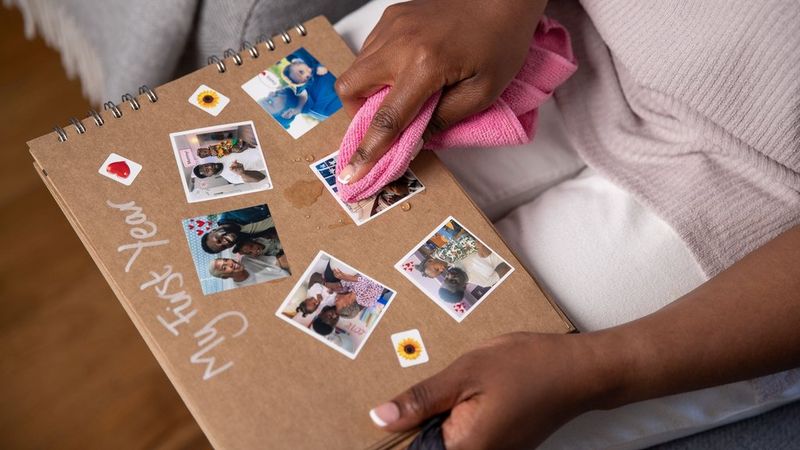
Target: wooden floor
column 74, row 372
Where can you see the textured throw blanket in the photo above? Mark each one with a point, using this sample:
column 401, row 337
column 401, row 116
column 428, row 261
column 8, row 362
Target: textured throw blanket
column 694, row 108
column 115, row 46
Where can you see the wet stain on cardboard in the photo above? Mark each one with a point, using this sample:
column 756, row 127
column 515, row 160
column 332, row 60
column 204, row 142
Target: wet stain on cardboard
column 303, row 193
column 342, row 222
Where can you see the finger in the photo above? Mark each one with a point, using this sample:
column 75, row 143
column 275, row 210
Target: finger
column 384, row 23
column 397, row 110
column 474, row 424
column 425, row 399
column 371, row 37
column 366, row 76
column 458, row 102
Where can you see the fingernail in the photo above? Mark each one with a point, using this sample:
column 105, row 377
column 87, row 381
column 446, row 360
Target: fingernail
column 385, row 414
column 346, row 174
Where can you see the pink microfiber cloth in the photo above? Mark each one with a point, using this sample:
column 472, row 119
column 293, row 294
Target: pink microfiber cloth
column 511, row 120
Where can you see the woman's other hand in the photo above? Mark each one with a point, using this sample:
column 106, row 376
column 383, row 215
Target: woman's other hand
column 470, row 48
column 511, row 392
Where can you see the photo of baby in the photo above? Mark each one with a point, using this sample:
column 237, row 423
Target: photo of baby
column 220, row 161
column 336, row 304
column 365, row 210
column 454, row 268
column 297, row 91
column 235, row 249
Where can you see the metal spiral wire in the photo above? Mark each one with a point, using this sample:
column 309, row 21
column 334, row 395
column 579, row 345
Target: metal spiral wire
column 252, row 49
column 151, row 95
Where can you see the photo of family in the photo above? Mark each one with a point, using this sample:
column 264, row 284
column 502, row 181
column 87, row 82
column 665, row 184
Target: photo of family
column 365, row 210
column 454, row 268
column 297, row 92
column 235, row 248
column 220, row 161
column 336, row 304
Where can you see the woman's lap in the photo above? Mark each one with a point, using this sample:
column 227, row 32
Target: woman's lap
column 606, row 259
column 603, row 257
column 598, row 253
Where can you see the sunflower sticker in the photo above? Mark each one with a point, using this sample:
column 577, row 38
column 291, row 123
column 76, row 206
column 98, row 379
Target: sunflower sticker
column 409, row 348
column 209, row 100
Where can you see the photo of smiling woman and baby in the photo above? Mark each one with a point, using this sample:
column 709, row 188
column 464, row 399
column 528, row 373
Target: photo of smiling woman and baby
column 297, row 91
column 336, row 304
column 235, row 249
column 454, row 269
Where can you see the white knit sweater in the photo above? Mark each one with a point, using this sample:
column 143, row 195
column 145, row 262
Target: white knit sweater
column 694, row 107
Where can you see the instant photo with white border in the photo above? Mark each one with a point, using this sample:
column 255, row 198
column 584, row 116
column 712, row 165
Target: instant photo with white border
column 330, row 184
column 304, row 278
column 185, row 146
column 449, row 308
column 297, row 106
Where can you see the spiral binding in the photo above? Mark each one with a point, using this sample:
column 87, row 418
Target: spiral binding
column 251, row 49
column 80, row 128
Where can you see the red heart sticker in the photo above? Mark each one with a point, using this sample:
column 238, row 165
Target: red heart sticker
column 119, row 168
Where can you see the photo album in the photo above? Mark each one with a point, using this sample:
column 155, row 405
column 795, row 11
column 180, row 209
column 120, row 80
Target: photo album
column 279, row 311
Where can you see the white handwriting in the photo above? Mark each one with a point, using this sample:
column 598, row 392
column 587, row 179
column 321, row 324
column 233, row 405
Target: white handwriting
column 140, row 233
column 209, row 333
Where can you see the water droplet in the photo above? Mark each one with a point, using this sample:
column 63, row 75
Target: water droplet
column 297, row 159
column 318, row 227
column 341, row 220
column 309, row 158
column 308, row 216
column 405, row 206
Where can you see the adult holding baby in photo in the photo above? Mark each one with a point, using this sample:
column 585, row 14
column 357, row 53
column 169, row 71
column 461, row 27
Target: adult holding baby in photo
column 346, row 294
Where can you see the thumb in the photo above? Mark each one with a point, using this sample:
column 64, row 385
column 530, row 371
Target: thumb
column 422, row 401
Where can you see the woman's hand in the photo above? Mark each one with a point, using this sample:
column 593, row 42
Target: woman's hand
column 512, row 392
column 470, row 48
column 517, row 389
